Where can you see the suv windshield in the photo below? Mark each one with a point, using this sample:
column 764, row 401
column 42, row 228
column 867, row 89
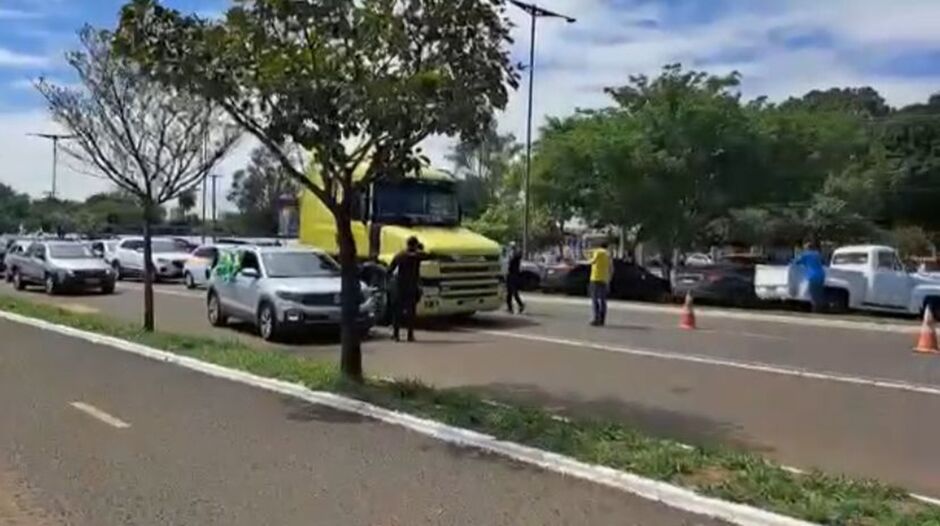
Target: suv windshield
column 298, row 265
column 415, row 202
column 69, row 251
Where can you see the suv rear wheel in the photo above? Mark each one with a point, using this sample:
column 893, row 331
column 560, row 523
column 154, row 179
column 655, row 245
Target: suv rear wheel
column 214, row 311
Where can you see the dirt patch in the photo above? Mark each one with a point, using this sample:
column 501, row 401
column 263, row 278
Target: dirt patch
column 709, row 477
column 17, row 507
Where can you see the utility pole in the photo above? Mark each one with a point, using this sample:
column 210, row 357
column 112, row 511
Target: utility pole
column 202, row 228
column 534, row 12
column 55, row 138
column 215, row 226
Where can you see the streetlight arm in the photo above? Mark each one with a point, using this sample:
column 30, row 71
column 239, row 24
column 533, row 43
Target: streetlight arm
column 535, row 10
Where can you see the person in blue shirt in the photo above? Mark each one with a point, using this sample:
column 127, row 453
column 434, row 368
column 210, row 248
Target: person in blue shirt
column 814, row 271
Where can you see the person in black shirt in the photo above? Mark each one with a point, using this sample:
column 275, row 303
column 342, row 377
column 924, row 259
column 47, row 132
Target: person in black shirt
column 514, row 279
column 407, row 291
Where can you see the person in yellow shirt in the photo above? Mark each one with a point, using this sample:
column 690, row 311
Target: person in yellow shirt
column 601, row 272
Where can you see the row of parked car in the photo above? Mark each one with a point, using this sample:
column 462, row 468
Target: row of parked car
column 861, row 277
column 280, row 290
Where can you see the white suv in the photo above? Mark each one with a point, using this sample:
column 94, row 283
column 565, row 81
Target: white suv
column 167, row 259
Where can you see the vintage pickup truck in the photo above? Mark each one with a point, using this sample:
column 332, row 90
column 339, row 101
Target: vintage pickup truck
column 864, row 277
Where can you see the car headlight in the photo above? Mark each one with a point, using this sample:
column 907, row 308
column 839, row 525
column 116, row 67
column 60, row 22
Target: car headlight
column 296, row 297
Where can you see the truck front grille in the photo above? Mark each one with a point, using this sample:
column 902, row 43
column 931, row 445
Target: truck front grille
column 469, row 279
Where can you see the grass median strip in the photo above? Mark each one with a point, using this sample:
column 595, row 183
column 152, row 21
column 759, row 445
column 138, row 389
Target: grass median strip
column 726, row 474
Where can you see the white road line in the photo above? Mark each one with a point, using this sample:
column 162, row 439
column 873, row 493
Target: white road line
column 808, row 321
column 100, row 415
column 880, row 383
column 667, row 494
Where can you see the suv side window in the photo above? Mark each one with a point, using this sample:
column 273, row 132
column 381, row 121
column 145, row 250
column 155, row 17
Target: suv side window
column 37, row 250
column 250, row 260
column 132, row 244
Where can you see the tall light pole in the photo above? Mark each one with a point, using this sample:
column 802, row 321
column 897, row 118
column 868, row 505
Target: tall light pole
column 55, row 138
column 535, row 12
column 215, row 217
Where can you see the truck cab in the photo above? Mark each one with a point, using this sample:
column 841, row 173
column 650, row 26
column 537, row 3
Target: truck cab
column 461, row 274
column 863, row 277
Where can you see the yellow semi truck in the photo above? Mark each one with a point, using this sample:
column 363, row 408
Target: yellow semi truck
column 462, row 274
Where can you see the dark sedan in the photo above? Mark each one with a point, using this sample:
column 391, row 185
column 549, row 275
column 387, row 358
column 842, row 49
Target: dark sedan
column 630, row 281
column 730, row 281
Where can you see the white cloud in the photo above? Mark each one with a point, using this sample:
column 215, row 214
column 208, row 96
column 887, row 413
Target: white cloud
column 609, row 43
column 17, row 14
column 10, row 58
column 27, row 161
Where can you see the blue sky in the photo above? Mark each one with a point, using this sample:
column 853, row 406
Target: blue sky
column 781, row 47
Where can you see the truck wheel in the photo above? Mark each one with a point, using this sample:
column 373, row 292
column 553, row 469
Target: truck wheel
column 214, row 311
column 18, row 282
column 836, row 301
column 934, row 305
column 267, row 323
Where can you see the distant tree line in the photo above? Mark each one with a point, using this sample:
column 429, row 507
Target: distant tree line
column 682, row 161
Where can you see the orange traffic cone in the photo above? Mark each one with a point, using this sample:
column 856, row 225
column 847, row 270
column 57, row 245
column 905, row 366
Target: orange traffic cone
column 927, row 342
column 687, row 320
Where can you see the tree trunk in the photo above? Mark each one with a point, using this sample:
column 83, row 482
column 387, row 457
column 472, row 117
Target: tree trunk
column 148, row 269
column 351, row 354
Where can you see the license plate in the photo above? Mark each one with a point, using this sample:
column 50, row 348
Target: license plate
column 92, row 281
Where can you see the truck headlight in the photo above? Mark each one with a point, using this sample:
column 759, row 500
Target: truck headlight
column 431, row 291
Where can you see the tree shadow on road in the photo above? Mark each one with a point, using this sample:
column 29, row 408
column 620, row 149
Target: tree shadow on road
column 681, row 426
column 300, row 411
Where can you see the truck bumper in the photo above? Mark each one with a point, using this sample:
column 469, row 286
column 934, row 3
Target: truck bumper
column 432, row 306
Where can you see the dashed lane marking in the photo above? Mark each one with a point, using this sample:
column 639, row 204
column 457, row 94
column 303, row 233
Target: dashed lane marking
column 100, row 415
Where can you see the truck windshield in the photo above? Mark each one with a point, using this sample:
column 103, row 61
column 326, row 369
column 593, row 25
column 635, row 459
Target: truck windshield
column 416, row 203
column 69, row 252
column 299, row 265
column 850, row 258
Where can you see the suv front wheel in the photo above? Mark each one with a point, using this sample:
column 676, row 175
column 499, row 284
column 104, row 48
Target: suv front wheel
column 267, row 323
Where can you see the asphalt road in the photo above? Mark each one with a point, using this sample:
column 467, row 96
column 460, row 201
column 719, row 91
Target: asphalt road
column 92, row 436
column 705, row 387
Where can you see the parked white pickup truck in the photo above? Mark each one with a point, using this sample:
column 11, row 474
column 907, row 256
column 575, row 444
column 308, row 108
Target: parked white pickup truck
column 867, row 277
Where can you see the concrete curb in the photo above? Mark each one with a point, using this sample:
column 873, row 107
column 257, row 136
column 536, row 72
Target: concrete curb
column 667, row 494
